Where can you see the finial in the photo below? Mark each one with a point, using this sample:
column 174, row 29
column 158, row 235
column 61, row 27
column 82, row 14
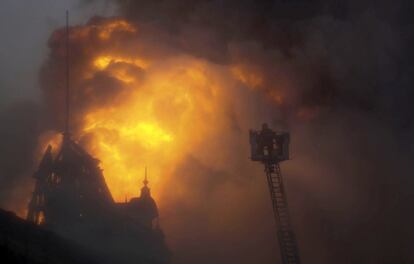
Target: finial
column 145, row 179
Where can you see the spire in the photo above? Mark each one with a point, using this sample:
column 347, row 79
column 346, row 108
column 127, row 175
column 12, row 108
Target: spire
column 67, row 102
column 145, row 191
column 146, row 178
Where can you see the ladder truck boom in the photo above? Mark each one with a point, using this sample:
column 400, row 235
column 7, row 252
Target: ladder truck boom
column 270, row 148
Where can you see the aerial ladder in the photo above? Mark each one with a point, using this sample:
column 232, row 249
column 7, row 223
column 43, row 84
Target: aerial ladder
column 271, row 148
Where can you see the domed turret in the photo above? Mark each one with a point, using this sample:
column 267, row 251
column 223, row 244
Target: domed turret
column 144, row 209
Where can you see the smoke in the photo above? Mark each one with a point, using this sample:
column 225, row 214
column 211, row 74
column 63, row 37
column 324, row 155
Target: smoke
column 336, row 75
column 19, row 131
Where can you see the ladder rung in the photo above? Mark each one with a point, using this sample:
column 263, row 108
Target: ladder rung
column 280, row 207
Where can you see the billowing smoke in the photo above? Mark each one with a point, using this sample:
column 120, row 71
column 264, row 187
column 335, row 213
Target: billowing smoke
column 176, row 85
column 19, row 132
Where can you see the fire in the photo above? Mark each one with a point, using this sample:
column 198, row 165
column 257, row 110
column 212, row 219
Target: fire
column 103, row 62
column 102, row 29
column 148, row 134
column 48, row 138
column 119, row 67
column 117, row 25
column 161, row 110
column 250, row 77
column 155, row 125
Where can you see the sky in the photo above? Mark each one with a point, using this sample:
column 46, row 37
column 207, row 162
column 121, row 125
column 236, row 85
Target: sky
column 338, row 75
column 25, row 29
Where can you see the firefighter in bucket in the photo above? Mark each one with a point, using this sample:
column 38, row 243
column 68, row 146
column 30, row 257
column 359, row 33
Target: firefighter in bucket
column 269, row 147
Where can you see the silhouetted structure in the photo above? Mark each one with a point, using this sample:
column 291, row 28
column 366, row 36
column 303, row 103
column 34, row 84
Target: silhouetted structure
column 271, row 148
column 72, row 199
column 69, row 189
column 144, row 209
column 22, row 242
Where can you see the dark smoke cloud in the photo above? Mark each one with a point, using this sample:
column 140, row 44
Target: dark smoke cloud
column 19, row 130
column 345, row 71
column 347, row 62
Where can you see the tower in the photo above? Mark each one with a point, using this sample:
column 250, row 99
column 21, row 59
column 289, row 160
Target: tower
column 71, row 198
column 77, row 191
column 144, row 209
column 271, row 148
column 69, row 188
column 145, row 191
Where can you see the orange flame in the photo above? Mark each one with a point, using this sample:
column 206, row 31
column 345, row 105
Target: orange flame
column 154, row 125
column 156, row 120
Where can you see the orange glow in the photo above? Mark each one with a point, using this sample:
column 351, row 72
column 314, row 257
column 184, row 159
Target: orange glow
column 276, row 97
column 102, row 30
column 251, row 78
column 41, row 219
column 165, row 110
column 119, row 67
column 51, row 138
column 254, row 79
column 154, row 125
column 117, row 25
column 102, row 62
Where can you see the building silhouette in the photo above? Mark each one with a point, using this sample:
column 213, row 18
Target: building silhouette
column 72, row 199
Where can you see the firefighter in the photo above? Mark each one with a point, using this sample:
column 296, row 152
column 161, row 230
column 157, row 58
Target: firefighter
column 265, row 140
